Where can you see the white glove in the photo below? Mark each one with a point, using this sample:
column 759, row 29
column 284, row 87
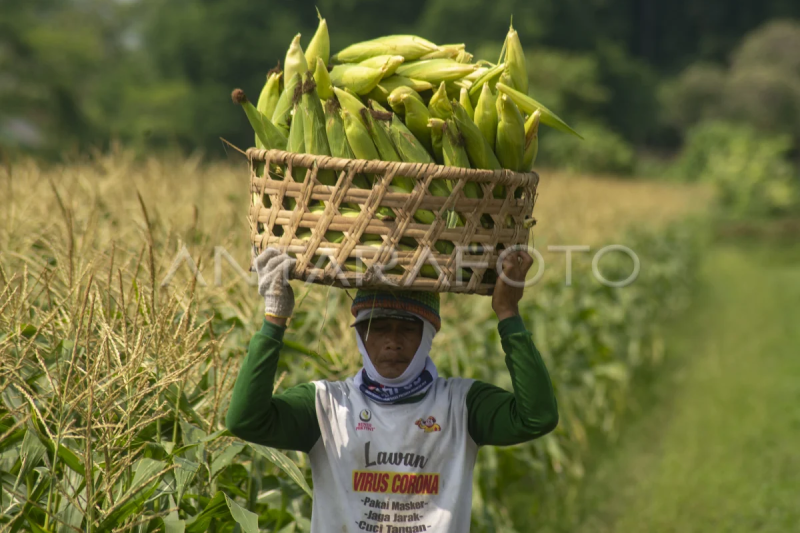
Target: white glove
column 273, row 282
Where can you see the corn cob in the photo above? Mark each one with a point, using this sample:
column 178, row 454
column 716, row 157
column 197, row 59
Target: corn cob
column 445, row 51
column 531, row 140
column 409, row 46
column 358, row 136
column 453, row 146
column 315, row 138
column 436, row 126
column 408, row 146
column 528, row 105
column 350, row 102
column 379, row 136
column 360, row 80
column 463, row 99
column 416, row 118
column 510, row 134
column 337, row 140
column 320, row 45
column 295, row 62
column 395, row 99
column 435, row 70
column 387, row 63
column 478, row 149
column 476, row 74
column 323, row 80
column 515, row 73
column 464, row 57
column 269, row 136
column 270, row 94
column 439, row 106
column 387, row 85
column 285, row 105
column 490, row 77
column 486, row 115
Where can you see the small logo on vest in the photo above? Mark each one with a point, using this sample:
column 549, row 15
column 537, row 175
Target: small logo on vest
column 428, row 425
column 365, row 416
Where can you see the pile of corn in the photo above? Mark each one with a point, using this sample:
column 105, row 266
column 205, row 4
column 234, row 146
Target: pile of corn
column 401, row 98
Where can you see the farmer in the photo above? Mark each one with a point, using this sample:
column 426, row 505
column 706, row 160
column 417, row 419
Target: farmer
column 392, row 448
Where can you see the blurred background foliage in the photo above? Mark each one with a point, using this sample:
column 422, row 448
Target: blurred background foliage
column 635, row 76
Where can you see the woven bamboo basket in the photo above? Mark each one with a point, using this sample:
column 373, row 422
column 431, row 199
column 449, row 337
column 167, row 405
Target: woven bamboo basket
column 383, row 252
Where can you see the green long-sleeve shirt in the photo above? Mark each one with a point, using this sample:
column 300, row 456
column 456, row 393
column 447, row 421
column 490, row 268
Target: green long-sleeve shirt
column 495, row 416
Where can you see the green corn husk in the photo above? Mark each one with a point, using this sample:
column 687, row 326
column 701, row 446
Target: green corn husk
column 528, row 105
column 439, row 106
column 480, row 153
column 358, row 136
column 323, row 80
column 473, row 76
column 352, row 103
column 360, row 80
column 285, row 105
column 395, row 99
column 531, row 140
column 296, row 144
column 454, row 148
column 380, row 137
column 320, row 45
column 490, row 77
column 463, row 99
column 515, row 74
column 435, row 70
column 337, row 140
column 464, row 57
column 387, row 63
column 315, row 137
column 409, row 46
column 270, row 94
column 486, row 115
column 387, row 85
column 416, row 118
column 267, row 134
column 510, row 134
column 408, row 146
column 436, row 126
column 295, row 62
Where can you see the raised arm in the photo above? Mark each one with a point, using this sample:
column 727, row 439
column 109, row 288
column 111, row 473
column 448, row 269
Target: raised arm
column 288, row 420
column 496, row 416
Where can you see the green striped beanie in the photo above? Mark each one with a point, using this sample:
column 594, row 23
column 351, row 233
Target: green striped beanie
column 424, row 304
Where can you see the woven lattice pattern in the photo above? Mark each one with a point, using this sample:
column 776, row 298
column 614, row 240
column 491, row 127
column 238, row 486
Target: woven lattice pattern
column 341, row 234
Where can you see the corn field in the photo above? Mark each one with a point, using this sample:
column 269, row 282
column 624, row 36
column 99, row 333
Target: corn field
column 114, row 384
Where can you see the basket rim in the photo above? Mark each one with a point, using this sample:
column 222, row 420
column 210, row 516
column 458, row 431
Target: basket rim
column 410, row 170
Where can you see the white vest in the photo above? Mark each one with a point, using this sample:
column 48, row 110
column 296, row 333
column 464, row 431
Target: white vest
column 392, row 468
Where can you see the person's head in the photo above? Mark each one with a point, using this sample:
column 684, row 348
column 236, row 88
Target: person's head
column 391, row 327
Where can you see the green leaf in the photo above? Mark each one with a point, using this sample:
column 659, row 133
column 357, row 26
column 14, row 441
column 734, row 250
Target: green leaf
column 183, row 404
column 217, row 508
column 137, row 495
column 529, row 105
column 225, row 457
column 173, row 522
column 284, row 463
column 247, row 519
column 185, row 471
column 31, row 453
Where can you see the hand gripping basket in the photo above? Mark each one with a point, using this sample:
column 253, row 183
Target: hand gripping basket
column 380, row 251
